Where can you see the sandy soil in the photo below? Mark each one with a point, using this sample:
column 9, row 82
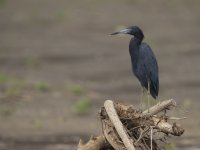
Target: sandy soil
column 55, row 54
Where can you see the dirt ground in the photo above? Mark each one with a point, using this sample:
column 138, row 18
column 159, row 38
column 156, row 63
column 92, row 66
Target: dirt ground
column 58, row 65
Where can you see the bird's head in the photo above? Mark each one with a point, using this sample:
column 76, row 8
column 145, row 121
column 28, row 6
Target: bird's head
column 132, row 30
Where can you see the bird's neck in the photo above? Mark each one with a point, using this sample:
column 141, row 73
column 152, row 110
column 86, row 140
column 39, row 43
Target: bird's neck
column 134, row 49
column 134, row 45
column 136, row 41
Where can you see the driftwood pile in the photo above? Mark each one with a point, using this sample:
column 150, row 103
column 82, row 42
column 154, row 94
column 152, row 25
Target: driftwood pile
column 126, row 128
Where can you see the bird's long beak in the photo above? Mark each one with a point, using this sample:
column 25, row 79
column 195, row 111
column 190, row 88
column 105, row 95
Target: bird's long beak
column 124, row 31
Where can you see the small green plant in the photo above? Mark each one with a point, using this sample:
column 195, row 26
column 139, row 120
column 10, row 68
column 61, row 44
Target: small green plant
column 2, row 3
column 31, row 62
column 6, row 111
column 76, row 89
column 83, row 105
column 37, row 124
column 4, row 77
column 42, row 87
column 60, row 16
column 13, row 91
column 14, row 87
column 170, row 146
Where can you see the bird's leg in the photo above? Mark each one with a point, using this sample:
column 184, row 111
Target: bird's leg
column 141, row 97
column 148, row 95
column 157, row 100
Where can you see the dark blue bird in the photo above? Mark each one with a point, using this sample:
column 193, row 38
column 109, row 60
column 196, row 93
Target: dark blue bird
column 144, row 63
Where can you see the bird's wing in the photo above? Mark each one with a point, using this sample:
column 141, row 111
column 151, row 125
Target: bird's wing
column 148, row 61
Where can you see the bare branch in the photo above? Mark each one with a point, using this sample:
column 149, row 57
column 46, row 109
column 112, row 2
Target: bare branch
column 175, row 118
column 159, row 108
column 109, row 106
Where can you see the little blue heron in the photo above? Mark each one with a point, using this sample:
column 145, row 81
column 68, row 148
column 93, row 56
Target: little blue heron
column 144, row 63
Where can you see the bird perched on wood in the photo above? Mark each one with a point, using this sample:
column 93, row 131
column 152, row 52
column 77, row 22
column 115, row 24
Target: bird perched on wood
column 144, row 63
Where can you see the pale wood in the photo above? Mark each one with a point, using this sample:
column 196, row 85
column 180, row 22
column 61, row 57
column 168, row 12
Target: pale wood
column 110, row 109
column 159, row 108
column 167, row 128
column 93, row 144
column 112, row 137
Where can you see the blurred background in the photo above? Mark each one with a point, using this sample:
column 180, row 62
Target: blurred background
column 58, row 65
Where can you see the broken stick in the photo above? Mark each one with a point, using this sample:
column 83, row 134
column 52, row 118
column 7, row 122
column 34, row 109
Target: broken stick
column 110, row 109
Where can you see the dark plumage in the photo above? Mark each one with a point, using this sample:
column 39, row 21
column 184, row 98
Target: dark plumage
column 144, row 64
